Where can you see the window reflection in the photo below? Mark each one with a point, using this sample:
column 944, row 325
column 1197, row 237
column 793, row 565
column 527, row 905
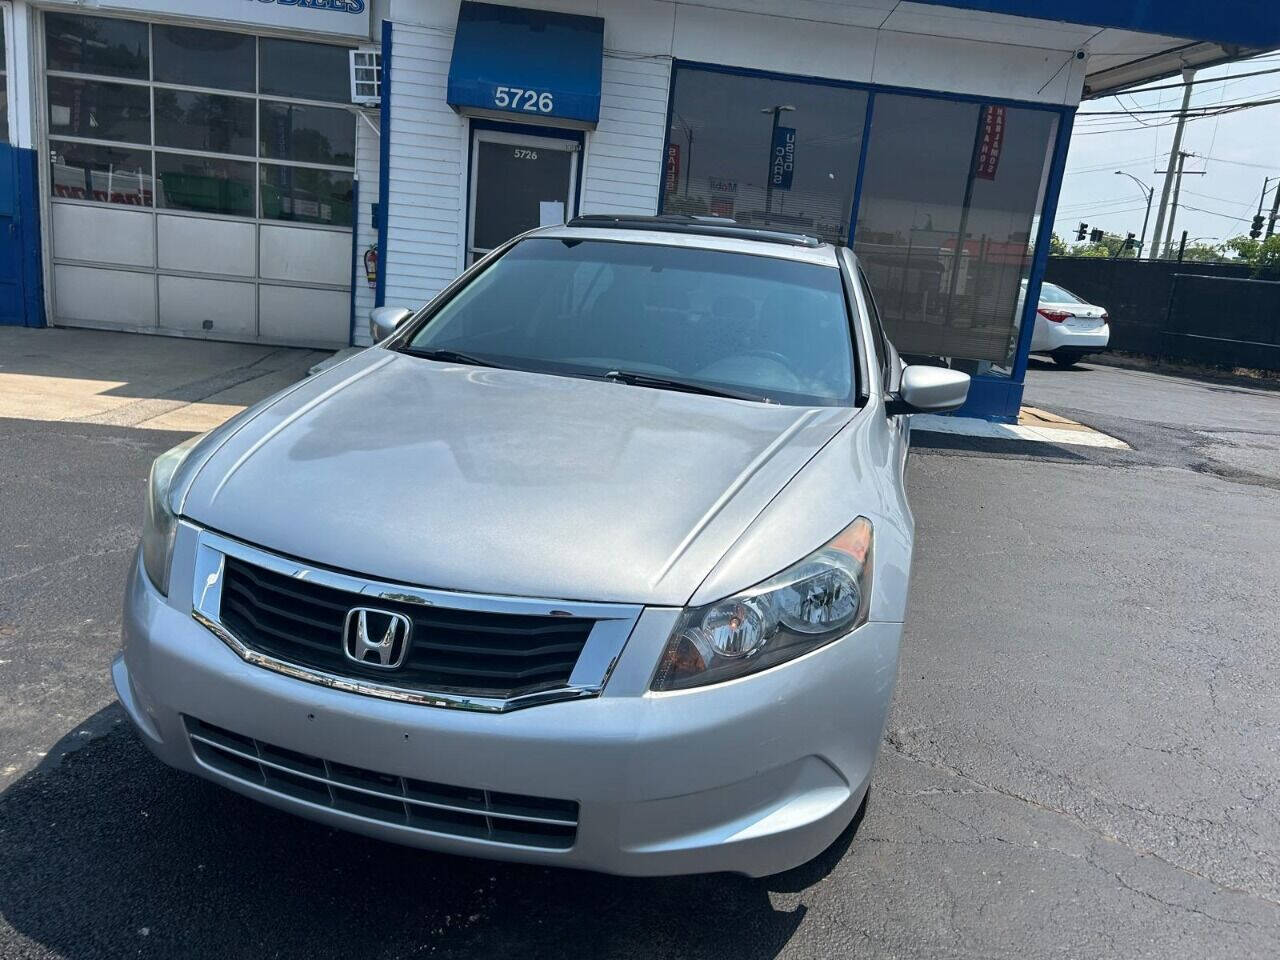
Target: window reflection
column 767, row 152
column 97, row 110
column 944, row 227
column 205, row 184
column 88, row 171
column 308, row 71
column 304, row 195
column 204, row 121
column 101, row 45
column 307, row 134
column 203, row 58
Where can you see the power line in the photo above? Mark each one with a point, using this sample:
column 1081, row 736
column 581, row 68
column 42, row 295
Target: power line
column 1208, row 196
column 1179, row 86
column 1240, row 163
column 1189, row 112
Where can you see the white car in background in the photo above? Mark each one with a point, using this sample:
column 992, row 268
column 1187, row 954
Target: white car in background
column 1067, row 327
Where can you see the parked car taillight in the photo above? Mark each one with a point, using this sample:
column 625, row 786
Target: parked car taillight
column 1106, row 317
column 1057, row 316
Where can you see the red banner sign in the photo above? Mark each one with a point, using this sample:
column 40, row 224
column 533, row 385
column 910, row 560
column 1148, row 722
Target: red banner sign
column 991, row 143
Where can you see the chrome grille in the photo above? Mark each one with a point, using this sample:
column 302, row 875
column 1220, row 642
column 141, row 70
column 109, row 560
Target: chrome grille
column 486, row 654
column 468, row 812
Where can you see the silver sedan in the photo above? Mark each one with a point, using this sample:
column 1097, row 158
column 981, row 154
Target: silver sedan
column 598, row 560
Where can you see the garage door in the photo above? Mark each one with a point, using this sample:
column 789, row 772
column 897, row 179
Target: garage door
column 201, row 181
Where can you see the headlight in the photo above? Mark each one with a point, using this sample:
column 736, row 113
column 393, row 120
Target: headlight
column 160, row 523
column 823, row 597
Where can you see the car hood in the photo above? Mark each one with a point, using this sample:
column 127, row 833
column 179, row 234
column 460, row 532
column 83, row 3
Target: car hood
column 504, row 482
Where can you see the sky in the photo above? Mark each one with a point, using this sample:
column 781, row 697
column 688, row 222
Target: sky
column 1236, row 151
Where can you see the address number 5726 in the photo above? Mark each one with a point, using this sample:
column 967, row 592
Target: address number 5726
column 517, row 98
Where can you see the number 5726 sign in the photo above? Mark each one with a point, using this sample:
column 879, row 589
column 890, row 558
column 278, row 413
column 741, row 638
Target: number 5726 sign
column 526, row 101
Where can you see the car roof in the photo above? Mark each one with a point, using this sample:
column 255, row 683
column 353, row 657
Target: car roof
column 711, row 233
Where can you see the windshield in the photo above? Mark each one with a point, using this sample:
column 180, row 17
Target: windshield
column 751, row 326
column 1052, row 293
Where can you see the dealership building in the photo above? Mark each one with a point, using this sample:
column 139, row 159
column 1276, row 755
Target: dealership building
column 269, row 170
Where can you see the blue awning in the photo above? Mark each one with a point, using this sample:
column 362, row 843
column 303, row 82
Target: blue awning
column 529, row 65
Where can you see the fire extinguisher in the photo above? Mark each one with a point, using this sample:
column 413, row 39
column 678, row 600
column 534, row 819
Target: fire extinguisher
column 371, row 266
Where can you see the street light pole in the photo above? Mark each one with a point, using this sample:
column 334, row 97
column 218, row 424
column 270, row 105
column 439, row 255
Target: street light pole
column 1150, row 192
column 773, row 136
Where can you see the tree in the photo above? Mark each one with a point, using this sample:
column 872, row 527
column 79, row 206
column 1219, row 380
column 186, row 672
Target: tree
column 1263, row 255
column 1057, row 246
column 1245, row 248
column 1267, row 264
column 1203, row 253
column 1111, row 246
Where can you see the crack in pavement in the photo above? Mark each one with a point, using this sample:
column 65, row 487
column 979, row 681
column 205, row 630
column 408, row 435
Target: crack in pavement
column 901, row 751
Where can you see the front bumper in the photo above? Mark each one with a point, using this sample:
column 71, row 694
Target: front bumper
column 752, row 776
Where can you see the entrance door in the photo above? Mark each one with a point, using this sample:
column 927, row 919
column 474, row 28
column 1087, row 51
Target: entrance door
column 518, row 182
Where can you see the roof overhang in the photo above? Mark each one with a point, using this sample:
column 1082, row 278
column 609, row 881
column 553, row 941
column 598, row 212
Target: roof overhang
column 1134, row 43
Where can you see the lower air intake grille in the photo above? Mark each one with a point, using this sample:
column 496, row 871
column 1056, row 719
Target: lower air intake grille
column 430, row 807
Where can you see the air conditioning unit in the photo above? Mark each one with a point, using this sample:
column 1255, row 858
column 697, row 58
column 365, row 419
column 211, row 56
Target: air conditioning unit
column 366, row 77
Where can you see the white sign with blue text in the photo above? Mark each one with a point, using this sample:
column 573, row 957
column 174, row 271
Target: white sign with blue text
column 347, row 18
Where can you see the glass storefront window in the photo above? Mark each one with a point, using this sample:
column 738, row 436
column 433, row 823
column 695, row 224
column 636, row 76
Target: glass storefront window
column 90, row 171
column 950, row 195
column 98, row 110
column 307, row 71
column 205, row 184
column 291, row 131
column 99, row 45
column 307, row 195
column 764, row 151
column 204, row 121
column 203, row 58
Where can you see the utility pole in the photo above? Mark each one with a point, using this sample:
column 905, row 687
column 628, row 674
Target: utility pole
column 1187, row 75
column 1275, row 212
column 1173, row 209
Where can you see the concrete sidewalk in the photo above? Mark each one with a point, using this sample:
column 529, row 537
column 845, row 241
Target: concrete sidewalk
column 134, row 380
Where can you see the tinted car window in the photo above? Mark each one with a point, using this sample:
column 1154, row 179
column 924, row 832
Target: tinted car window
column 766, row 326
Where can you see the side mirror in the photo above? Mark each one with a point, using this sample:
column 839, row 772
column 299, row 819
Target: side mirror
column 927, row 389
column 384, row 320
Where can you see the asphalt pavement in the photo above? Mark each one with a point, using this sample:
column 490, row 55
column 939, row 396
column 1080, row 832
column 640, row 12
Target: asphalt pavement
column 1082, row 759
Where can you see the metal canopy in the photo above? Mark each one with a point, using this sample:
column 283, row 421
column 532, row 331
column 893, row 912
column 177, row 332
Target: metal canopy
column 1134, row 43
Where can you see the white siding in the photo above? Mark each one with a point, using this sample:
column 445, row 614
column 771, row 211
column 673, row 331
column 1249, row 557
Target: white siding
column 427, row 159
column 623, row 166
column 367, row 154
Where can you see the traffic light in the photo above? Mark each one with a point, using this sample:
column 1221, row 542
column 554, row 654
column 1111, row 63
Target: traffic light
column 1096, row 235
column 1129, row 242
column 1255, row 231
column 1081, row 231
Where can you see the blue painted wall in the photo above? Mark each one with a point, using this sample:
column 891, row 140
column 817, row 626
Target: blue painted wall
column 21, row 280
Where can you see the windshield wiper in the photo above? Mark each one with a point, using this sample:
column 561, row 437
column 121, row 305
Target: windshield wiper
column 684, row 386
column 451, row 356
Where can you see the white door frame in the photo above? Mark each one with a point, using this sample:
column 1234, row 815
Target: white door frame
column 572, row 147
